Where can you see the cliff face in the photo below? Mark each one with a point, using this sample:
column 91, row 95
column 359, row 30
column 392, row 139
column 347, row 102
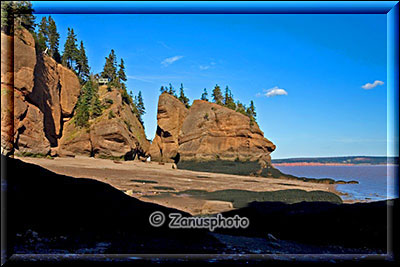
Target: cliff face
column 207, row 132
column 117, row 133
column 38, row 106
column 45, row 93
column 170, row 116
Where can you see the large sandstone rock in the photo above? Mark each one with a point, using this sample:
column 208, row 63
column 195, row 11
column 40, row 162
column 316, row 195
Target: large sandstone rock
column 40, row 94
column 31, row 138
column 46, row 96
column 211, row 132
column 170, row 116
column 7, row 95
column 24, row 61
column 18, row 60
column 70, row 89
column 117, row 133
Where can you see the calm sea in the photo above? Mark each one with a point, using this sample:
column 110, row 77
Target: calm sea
column 376, row 182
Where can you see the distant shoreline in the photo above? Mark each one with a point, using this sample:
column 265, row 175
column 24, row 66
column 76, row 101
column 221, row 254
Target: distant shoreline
column 330, row 164
column 337, row 161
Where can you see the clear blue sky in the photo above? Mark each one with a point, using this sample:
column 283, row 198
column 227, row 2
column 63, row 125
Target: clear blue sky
column 321, row 62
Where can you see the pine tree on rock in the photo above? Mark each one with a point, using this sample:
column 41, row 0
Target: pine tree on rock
column 171, row 90
column 71, row 51
column 140, row 107
column 82, row 64
column 241, row 108
column 24, row 15
column 110, row 67
column 133, row 101
column 228, row 99
column 42, row 35
column 204, row 95
column 89, row 105
column 17, row 13
column 163, row 89
column 121, row 72
column 251, row 112
column 183, row 98
column 217, row 95
column 53, row 39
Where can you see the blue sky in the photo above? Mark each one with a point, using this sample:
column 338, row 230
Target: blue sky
column 313, row 66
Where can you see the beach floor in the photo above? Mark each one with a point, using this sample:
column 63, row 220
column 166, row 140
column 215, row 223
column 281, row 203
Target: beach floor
column 144, row 180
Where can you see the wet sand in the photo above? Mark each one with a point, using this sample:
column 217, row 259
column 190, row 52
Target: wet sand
column 141, row 179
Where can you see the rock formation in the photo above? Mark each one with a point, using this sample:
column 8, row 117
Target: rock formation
column 116, row 134
column 211, row 131
column 207, row 132
column 7, row 95
column 170, row 116
column 39, row 86
column 38, row 106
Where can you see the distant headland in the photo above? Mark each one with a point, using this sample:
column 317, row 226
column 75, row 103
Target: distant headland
column 350, row 160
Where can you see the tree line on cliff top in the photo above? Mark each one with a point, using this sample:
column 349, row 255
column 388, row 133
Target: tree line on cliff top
column 225, row 100
column 17, row 14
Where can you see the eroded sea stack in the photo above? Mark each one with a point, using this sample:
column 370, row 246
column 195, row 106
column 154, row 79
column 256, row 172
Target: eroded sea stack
column 211, row 131
column 170, row 116
column 208, row 135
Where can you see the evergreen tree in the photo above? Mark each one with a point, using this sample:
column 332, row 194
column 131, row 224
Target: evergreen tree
column 96, row 107
column 228, row 99
column 40, row 42
column 7, row 17
column 18, row 13
column 133, row 103
column 217, row 95
column 241, row 108
column 121, row 72
column 71, row 51
column 124, row 94
column 43, row 29
column 163, row 89
column 41, row 38
column 183, row 98
column 110, row 67
column 171, row 90
column 204, row 95
column 251, row 112
column 88, row 105
column 140, row 107
column 24, row 15
column 81, row 118
column 53, row 39
column 82, row 64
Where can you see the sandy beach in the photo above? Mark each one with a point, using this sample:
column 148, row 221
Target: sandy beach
column 143, row 179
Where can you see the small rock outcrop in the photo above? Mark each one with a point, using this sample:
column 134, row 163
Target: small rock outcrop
column 116, row 134
column 211, row 132
column 170, row 116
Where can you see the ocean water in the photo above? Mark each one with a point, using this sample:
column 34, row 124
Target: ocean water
column 376, row 182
